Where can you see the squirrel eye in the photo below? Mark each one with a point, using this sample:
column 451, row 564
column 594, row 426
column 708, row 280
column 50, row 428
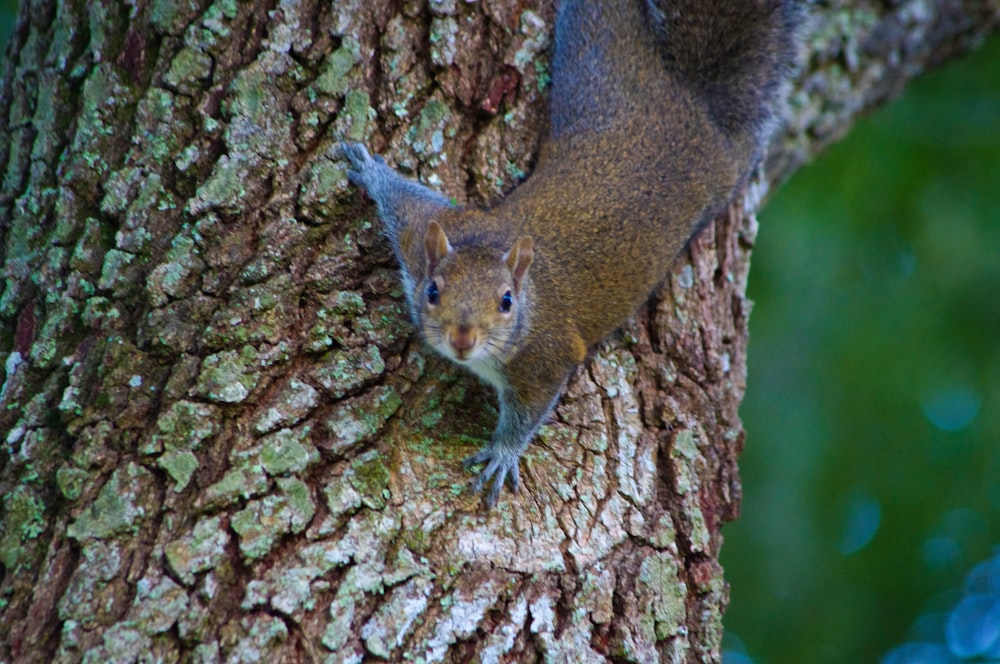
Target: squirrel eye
column 506, row 302
column 433, row 296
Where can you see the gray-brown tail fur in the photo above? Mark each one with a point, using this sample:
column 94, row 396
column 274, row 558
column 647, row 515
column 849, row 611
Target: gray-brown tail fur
column 736, row 54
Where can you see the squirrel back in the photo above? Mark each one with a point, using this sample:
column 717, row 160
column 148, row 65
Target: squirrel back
column 656, row 119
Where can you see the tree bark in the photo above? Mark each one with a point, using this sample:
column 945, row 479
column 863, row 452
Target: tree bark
column 222, row 440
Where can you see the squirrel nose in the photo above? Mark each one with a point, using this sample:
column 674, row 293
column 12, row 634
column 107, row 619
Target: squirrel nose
column 462, row 339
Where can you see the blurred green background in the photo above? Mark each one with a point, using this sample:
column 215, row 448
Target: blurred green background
column 8, row 12
column 871, row 476
column 873, row 409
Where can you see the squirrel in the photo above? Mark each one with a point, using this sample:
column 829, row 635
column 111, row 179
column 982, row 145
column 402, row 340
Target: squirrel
column 656, row 119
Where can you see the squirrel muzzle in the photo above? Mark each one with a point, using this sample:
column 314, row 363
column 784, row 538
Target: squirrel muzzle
column 463, row 340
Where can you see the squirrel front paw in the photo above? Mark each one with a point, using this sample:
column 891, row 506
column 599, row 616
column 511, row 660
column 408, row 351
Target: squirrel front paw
column 362, row 164
column 501, row 466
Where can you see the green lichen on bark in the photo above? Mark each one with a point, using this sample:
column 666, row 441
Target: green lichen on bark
column 263, row 521
column 370, row 478
column 686, row 458
column 203, row 549
column 288, row 406
column 341, row 372
column 228, row 376
column 333, row 77
column 180, row 465
column 361, row 418
column 184, row 425
column 123, row 503
column 23, row 520
column 659, row 573
column 238, row 483
column 287, row 451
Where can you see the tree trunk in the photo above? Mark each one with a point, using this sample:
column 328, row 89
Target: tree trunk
column 222, row 440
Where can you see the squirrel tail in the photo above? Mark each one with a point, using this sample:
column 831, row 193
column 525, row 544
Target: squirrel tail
column 734, row 54
column 738, row 54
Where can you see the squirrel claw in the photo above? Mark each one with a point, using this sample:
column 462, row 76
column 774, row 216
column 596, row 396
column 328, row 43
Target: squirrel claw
column 356, row 153
column 357, row 156
column 500, row 471
column 479, row 457
column 362, row 165
column 354, row 177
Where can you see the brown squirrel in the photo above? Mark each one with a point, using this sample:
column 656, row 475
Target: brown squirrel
column 655, row 120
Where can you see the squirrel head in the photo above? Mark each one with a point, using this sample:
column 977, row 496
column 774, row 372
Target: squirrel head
column 473, row 299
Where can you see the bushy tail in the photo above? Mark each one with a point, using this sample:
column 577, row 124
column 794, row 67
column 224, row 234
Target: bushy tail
column 735, row 54
column 738, row 53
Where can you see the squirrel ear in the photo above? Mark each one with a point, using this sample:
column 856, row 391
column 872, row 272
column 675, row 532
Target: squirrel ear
column 519, row 259
column 436, row 244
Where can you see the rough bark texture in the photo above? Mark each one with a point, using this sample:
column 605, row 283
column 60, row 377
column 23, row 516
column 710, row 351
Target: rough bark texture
column 221, row 439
